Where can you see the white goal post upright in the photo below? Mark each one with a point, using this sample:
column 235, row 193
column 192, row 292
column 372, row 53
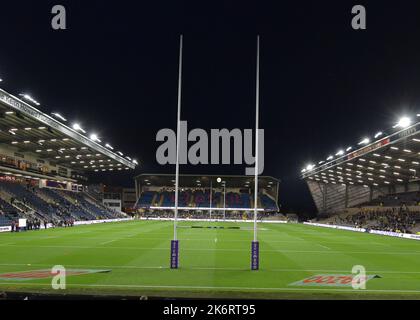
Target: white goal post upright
column 255, row 250
column 174, row 242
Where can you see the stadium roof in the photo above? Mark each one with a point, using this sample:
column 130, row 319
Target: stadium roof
column 194, row 180
column 385, row 159
column 30, row 130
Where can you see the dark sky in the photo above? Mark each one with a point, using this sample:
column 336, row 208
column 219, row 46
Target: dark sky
column 323, row 84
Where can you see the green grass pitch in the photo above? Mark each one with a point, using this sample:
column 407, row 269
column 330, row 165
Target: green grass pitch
column 213, row 262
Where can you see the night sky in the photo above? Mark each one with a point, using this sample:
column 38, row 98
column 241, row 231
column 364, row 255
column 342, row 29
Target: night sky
column 323, row 85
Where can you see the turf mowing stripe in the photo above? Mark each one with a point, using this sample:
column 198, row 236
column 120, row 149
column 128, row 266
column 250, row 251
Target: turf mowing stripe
column 206, row 268
column 225, row 250
column 216, row 288
column 106, row 242
column 323, row 246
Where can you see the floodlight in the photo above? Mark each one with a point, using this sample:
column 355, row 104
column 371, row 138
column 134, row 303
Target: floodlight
column 404, row 122
column 377, row 135
column 340, row 153
column 59, row 116
column 77, row 127
column 364, row 141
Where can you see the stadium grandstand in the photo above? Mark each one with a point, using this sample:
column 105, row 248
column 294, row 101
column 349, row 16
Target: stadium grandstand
column 375, row 185
column 206, row 196
column 44, row 164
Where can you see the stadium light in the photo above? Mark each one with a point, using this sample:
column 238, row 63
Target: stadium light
column 330, row 158
column 29, row 98
column 135, row 161
column 364, row 141
column 109, row 146
column 404, row 122
column 94, row 137
column 348, row 149
column 59, row 116
column 120, row 153
column 1, row 80
column 340, row 153
column 309, row 167
column 77, row 127
column 377, row 135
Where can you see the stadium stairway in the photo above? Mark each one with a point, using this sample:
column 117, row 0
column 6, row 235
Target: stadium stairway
column 100, row 208
column 71, row 210
column 155, row 196
column 78, row 209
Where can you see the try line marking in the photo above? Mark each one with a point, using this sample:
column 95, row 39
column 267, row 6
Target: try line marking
column 214, row 288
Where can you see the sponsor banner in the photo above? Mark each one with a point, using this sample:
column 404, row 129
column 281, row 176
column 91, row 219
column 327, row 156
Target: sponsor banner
column 405, row 133
column 5, row 229
column 332, row 280
column 332, row 226
column 213, row 220
column 174, row 254
column 387, row 233
column 255, row 255
column 380, row 232
column 396, row 234
column 55, row 185
column 412, row 236
column 77, row 223
column 368, row 148
column 45, row 273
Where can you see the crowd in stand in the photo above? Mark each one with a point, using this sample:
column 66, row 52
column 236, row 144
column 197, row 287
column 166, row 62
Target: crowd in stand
column 216, row 214
column 396, row 219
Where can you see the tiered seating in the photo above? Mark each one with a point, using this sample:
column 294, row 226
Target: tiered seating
column 96, row 211
column 7, row 213
column 168, row 199
column 238, row 200
column 7, row 208
column 4, row 221
column 28, row 197
column 50, row 204
column 146, row 199
column 394, row 200
column 201, row 198
column 71, row 209
column 268, row 203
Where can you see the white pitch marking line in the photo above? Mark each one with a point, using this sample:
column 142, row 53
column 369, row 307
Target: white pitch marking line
column 206, row 268
column 120, row 238
column 106, row 242
column 227, row 250
column 323, row 246
column 214, row 288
